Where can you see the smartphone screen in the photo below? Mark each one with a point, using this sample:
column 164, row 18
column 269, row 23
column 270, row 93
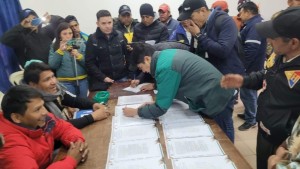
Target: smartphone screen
column 36, row 21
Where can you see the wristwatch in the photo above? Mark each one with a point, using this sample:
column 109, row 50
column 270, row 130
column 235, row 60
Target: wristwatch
column 198, row 35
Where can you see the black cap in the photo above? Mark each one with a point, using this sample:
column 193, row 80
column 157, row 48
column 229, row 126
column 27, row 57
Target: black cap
column 146, row 9
column 25, row 13
column 70, row 18
column 286, row 24
column 124, row 9
column 188, row 7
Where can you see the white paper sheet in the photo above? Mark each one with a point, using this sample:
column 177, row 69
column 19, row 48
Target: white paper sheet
column 186, row 130
column 135, row 89
column 134, row 133
column 134, row 99
column 217, row 162
column 193, row 147
column 180, row 116
column 131, row 150
column 120, row 121
column 149, row 163
column 178, row 105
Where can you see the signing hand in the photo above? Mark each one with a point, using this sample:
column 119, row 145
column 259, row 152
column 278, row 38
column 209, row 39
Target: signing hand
column 134, row 83
column 130, row 112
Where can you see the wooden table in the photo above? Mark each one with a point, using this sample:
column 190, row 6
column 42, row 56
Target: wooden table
column 98, row 134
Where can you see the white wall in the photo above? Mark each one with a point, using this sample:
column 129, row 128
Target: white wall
column 85, row 11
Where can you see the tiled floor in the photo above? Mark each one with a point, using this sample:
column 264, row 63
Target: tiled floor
column 245, row 141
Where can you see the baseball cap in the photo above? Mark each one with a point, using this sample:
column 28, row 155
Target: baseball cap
column 188, row 7
column 124, row 9
column 222, row 4
column 164, row 7
column 286, row 24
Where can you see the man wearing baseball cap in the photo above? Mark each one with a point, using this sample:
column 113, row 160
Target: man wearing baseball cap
column 125, row 22
column 166, row 18
column 279, row 102
column 217, row 36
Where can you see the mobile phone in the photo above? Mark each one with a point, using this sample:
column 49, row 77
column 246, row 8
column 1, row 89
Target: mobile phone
column 36, row 22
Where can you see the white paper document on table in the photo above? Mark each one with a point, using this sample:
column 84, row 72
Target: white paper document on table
column 121, row 121
column 186, row 130
column 132, row 150
column 181, row 116
column 134, row 99
column 193, row 147
column 119, row 109
column 149, row 163
column 134, row 133
column 135, row 89
column 178, row 105
column 217, row 162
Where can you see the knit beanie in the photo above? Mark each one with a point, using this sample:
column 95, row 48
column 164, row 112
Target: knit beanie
column 146, row 9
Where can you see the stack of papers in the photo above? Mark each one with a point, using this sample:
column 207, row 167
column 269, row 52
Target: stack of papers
column 134, row 99
column 149, row 163
column 133, row 150
column 216, row 162
column 134, row 133
column 180, row 116
column 185, row 130
column 193, row 147
column 190, row 141
column 133, row 143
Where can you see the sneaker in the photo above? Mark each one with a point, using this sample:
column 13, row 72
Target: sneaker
column 241, row 116
column 246, row 126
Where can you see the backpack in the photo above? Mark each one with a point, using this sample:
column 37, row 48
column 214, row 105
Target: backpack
column 238, row 45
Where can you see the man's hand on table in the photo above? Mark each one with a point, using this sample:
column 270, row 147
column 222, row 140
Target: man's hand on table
column 100, row 112
column 78, row 151
column 130, row 112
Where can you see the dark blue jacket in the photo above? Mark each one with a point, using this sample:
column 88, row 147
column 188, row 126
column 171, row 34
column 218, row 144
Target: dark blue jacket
column 254, row 45
column 220, row 45
column 179, row 34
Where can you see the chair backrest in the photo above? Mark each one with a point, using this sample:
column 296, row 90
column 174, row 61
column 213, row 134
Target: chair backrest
column 1, row 97
column 16, row 77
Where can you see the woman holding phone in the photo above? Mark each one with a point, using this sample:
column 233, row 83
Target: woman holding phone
column 67, row 58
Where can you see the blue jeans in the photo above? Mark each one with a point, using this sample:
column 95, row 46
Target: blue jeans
column 79, row 91
column 224, row 119
column 249, row 99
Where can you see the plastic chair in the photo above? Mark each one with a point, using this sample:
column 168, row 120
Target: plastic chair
column 16, row 77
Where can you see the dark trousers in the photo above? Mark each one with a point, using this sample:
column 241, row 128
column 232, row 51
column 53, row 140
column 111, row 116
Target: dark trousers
column 224, row 119
column 264, row 149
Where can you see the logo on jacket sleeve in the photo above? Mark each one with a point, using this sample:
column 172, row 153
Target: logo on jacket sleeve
column 293, row 77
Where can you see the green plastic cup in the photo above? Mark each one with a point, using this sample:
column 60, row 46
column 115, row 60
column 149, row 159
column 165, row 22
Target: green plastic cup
column 101, row 97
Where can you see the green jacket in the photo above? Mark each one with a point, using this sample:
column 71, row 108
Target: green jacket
column 187, row 77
